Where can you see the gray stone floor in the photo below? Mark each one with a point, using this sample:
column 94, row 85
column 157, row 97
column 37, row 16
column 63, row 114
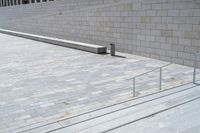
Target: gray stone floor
column 176, row 111
column 42, row 83
column 184, row 119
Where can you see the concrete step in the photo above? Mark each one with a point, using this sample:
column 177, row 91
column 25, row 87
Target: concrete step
column 61, row 42
column 105, row 115
column 182, row 119
column 133, row 114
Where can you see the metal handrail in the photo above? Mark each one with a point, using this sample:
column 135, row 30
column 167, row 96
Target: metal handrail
column 196, row 55
column 160, row 80
column 151, row 71
column 195, row 67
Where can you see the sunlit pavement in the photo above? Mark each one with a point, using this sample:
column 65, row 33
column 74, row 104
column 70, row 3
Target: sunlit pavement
column 42, row 83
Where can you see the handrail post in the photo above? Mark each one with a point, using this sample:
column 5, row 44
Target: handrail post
column 160, row 80
column 134, row 94
column 195, row 67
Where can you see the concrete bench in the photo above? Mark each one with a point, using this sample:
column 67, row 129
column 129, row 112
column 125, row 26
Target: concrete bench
column 61, row 42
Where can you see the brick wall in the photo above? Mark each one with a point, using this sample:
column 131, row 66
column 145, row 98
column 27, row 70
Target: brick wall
column 163, row 29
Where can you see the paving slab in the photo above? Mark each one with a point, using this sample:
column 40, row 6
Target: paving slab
column 43, row 83
column 140, row 112
column 184, row 119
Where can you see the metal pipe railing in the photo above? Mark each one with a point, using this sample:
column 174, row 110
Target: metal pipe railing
column 134, row 91
column 195, row 67
column 196, row 59
column 160, row 78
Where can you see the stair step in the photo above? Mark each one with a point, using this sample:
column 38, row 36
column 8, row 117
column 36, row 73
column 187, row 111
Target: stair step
column 81, row 122
column 136, row 113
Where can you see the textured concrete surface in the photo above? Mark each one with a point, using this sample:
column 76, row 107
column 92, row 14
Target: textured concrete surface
column 161, row 29
column 42, row 83
column 184, row 119
column 66, row 43
column 173, row 112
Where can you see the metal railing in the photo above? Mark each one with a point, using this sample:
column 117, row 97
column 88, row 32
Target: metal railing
column 196, row 59
column 160, row 78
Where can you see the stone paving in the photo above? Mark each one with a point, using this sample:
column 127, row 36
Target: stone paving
column 184, row 119
column 42, row 83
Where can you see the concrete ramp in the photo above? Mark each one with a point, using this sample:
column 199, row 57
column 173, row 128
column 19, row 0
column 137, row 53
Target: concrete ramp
column 61, row 42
